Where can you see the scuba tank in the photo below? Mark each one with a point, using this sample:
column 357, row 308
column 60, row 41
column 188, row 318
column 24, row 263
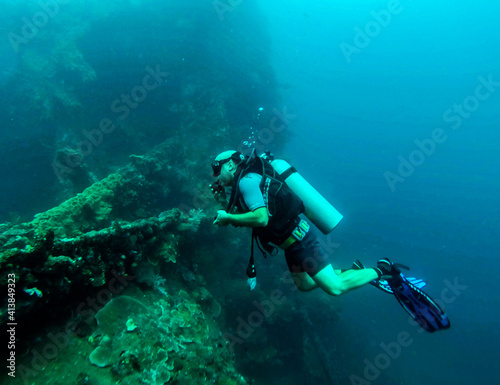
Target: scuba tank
column 318, row 209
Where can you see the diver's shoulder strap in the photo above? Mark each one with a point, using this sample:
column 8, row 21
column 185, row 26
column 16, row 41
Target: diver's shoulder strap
column 247, row 165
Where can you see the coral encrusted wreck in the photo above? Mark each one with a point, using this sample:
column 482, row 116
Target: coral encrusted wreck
column 148, row 330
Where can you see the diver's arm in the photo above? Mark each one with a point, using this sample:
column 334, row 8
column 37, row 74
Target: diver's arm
column 256, row 218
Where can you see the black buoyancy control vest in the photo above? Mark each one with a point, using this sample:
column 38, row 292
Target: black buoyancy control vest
column 283, row 205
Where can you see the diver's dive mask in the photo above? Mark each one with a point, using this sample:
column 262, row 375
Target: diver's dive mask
column 217, row 166
column 237, row 157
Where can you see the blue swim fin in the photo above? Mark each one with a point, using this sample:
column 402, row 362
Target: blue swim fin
column 383, row 285
column 421, row 307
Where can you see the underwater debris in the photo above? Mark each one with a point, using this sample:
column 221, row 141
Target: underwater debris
column 92, row 216
column 56, row 265
column 97, row 237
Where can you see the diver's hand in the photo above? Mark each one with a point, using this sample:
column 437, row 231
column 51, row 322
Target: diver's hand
column 222, row 218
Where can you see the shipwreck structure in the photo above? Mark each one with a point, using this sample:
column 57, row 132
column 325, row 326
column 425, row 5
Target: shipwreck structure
column 103, row 243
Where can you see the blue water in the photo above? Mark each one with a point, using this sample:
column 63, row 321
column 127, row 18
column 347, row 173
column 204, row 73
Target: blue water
column 356, row 114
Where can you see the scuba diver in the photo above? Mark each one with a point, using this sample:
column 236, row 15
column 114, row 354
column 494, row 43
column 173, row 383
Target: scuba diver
column 269, row 196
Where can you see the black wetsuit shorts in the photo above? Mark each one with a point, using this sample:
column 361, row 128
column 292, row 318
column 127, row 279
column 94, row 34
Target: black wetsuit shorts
column 306, row 255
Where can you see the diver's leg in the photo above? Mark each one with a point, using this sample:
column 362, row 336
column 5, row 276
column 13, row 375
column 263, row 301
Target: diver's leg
column 336, row 284
column 303, row 281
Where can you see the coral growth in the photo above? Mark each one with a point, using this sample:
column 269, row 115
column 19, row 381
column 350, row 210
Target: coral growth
column 60, row 90
column 153, row 342
column 57, row 264
column 193, row 220
column 83, row 211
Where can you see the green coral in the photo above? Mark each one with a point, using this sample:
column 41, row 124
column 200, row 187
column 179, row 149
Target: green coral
column 86, row 209
column 153, row 341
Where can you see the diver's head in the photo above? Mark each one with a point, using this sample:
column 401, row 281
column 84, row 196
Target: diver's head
column 225, row 165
